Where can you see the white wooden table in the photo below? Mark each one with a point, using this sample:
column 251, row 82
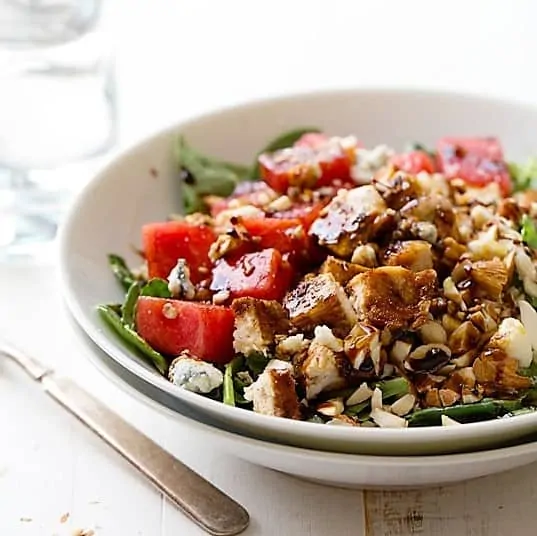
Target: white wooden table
column 176, row 59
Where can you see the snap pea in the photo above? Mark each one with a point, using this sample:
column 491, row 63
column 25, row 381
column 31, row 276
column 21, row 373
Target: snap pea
column 480, row 411
column 128, row 308
column 121, row 271
column 131, row 337
column 229, row 396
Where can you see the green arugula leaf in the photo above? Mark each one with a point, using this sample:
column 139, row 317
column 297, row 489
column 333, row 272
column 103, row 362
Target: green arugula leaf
column 524, row 176
column 529, row 231
column 287, row 139
column 202, row 175
column 157, row 288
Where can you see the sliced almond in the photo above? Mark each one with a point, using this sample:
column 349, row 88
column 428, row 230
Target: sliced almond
column 385, row 419
column 404, row 405
column 363, row 393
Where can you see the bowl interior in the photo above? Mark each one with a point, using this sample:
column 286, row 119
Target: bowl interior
column 142, row 185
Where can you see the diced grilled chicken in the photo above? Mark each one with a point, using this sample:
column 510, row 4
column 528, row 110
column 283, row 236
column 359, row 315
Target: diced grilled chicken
column 320, row 300
column 274, row 391
column 324, row 370
column 416, row 255
column 490, row 278
column 392, row 296
column 342, row 271
column 353, row 217
column 257, row 322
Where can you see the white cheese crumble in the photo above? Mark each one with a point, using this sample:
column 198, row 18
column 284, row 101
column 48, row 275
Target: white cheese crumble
column 195, row 375
column 369, row 161
column 179, row 283
column 323, row 335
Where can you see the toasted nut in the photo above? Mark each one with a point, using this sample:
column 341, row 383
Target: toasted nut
column 385, row 419
column 465, row 360
column 448, row 397
column 363, row 342
column 404, row 405
column 490, row 277
column 446, row 370
column 450, row 323
column 400, row 351
column 432, row 398
column 332, row 407
column 451, row 292
column 363, row 393
column 464, row 338
column 422, row 352
column 433, row 332
column 463, row 378
column 469, row 398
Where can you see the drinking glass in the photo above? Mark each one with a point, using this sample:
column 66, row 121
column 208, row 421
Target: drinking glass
column 57, row 113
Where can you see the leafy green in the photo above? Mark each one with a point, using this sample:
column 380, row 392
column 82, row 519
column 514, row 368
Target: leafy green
column 524, row 176
column 156, row 287
column 480, row 411
column 128, row 308
column 257, row 361
column 416, row 146
column 233, row 387
column 132, row 338
column 287, row 139
column 121, row 271
column 203, row 175
column 529, row 231
column 531, row 371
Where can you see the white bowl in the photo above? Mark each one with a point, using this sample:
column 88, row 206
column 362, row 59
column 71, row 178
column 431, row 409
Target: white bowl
column 335, row 469
column 141, row 186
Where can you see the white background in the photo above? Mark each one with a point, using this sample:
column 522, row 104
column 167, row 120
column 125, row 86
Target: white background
column 179, row 58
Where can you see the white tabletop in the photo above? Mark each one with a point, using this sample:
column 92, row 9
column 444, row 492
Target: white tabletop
column 176, row 59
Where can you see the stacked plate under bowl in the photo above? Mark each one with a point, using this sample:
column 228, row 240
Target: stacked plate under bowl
column 141, row 186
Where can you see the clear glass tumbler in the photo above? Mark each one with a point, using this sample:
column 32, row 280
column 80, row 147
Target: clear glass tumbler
column 57, row 112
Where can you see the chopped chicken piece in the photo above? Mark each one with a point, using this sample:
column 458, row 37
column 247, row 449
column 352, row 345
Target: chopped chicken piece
column 392, row 296
column 415, row 255
column 320, row 300
column 324, row 370
column 353, row 217
column 342, row 271
column 289, row 347
column 257, row 322
column 274, row 391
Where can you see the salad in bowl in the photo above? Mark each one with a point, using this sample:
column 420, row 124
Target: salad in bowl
column 337, row 283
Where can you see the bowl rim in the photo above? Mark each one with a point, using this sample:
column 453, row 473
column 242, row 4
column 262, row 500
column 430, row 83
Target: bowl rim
column 122, row 356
